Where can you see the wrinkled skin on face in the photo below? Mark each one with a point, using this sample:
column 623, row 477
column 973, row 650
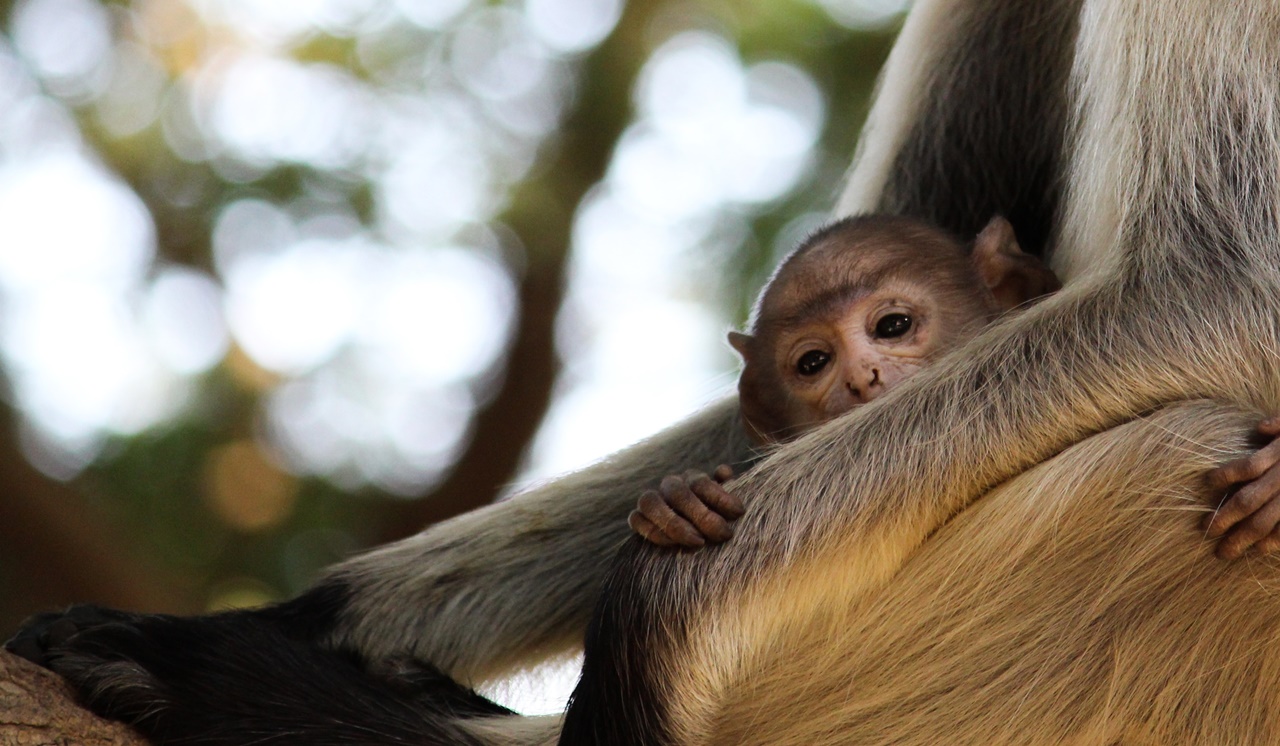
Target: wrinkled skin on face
column 861, row 347
column 864, row 304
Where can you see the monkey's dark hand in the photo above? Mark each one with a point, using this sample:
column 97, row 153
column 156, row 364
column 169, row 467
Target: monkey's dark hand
column 688, row 510
column 243, row 677
column 172, row 678
column 1249, row 517
column 116, row 660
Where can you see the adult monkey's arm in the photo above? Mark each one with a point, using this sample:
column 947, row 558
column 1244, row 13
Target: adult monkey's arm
column 516, row 581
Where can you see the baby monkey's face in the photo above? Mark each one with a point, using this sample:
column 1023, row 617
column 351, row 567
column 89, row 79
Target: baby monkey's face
column 864, row 304
column 867, row 343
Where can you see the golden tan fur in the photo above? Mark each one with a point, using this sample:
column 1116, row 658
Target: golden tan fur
column 1071, row 605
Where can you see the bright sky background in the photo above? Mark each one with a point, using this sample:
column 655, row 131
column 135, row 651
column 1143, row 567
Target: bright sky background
column 377, row 335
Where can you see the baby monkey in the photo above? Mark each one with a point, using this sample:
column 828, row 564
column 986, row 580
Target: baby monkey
column 859, row 307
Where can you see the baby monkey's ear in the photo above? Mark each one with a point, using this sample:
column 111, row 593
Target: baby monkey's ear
column 1012, row 275
column 762, row 398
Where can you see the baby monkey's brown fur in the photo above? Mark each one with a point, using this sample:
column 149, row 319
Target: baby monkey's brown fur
column 857, row 308
column 864, row 303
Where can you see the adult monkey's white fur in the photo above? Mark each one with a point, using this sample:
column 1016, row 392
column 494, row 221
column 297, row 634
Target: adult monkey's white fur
column 514, row 583
column 1073, row 604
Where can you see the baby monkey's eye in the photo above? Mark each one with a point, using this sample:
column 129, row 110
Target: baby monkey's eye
column 893, row 325
column 811, row 362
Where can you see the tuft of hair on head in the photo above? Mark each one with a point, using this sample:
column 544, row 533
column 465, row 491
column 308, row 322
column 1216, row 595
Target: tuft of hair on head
column 900, row 243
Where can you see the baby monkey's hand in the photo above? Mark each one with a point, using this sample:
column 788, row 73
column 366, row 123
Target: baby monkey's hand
column 1249, row 516
column 688, row 510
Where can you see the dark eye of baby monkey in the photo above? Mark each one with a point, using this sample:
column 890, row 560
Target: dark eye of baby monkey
column 812, row 362
column 893, row 325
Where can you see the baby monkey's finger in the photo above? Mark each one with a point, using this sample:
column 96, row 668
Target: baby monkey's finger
column 1242, row 507
column 724, row 472
column 1270, row 426
column 1245, row 469
column 654, row 507
column 1260, row 501
column 680, row 496
column 1269, row 544
column 649, row 530
column 715, row 496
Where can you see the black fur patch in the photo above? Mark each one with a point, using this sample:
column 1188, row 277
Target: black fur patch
column 992, row 134
column 249, row 677
column 617, row 701
column 312, row 615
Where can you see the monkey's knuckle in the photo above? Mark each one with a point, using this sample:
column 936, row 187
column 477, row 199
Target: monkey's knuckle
column 1249, row 498
column 671, row 483
column 1228, row 474
column 711, row 525
column 1234, row 544
column 1218, row 525
column 653, row 506
column 1252, row 530
column 685, row 501
column 1256, row 464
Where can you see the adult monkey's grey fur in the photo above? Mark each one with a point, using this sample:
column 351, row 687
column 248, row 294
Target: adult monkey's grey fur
column 1137, row 142
column 515, row 582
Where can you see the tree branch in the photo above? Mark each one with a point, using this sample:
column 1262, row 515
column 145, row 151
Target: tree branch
column 38, row 709
column 541, row 214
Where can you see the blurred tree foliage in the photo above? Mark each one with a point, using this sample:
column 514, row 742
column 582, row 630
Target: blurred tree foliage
column 137, row 527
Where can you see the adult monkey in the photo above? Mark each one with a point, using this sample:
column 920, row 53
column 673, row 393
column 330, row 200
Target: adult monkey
column 1140, row 141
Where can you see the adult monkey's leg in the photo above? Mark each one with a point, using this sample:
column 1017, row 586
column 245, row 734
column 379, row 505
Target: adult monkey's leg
column 516, row 581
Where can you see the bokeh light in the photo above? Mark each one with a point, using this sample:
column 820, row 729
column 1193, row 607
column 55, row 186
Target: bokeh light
column 861, row 14
column 246, row 490
column 316, row 114
column 643, row 346
column 570, row 26
column 66, row 41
